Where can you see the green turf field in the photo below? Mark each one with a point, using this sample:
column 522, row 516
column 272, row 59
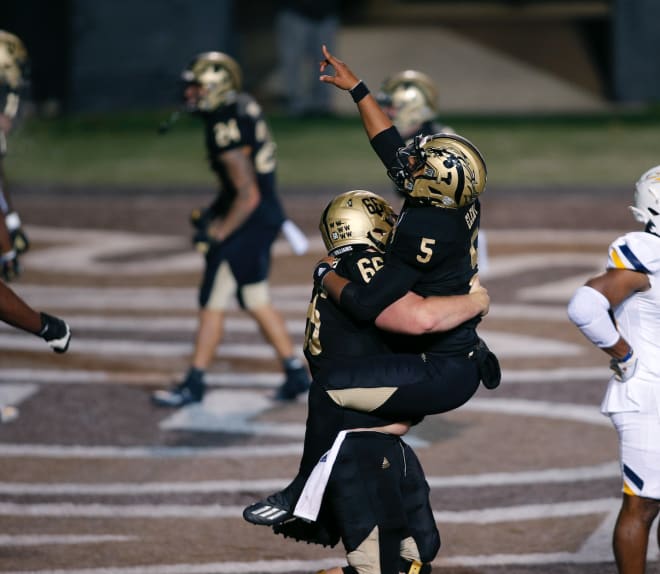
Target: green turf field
column 126, row 149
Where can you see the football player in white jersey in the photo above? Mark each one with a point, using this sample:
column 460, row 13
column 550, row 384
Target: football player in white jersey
column 619, row 311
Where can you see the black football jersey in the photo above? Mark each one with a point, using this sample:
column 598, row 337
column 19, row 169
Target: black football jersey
column 235, row 125
column 331, row 334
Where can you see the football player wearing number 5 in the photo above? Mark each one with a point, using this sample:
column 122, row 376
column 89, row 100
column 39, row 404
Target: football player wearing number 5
column 433, row 251
column 236, row 231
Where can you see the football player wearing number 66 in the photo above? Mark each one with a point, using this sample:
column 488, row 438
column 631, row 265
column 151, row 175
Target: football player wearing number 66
column 619, row 312
column 236, row 231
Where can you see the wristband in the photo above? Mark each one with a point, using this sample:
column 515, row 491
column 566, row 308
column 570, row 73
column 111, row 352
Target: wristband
column 8, row 256
column 627, row 357
column 359, row 91
column 12, row 221
column 322, row 269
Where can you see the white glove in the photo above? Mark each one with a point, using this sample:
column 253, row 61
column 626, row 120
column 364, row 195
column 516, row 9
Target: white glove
column 624, row 368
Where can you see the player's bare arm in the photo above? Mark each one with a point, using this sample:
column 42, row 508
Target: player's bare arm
column 416, row 315
column 241, row 171
column 373, row 117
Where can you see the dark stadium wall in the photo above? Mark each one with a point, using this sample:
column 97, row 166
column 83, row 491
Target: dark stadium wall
column 128, row 54
column 636, row 55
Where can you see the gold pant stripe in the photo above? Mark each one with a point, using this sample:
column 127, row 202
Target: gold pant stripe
column 365, row 400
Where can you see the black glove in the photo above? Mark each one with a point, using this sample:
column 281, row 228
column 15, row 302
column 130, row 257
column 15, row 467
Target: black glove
column 10, row 266
column 489, row 367
column 55, row 332
column 18, row 237
column 200, row 219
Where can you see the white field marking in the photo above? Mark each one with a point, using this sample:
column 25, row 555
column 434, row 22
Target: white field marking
column 136, row 348
column 159, row 324
column 231, row 412
column 155, row 452
column 505, row 345
column 267, row 380
column 162, row 324
column 553, row 237
column 528, row 512
column 87, row 251
column 284, row 297
column 131, row 489
column 206, row 511
column 561, row 375
column 559, row 291
column 57, row 539
column 256, row 567
column 589, row 414
column 64, row 376
column 507, row 265
column 15, row 394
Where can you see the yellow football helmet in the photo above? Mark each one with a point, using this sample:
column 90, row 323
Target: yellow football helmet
column 409, row 98
column 219, row 77
column 443, row 170
column 13, row 59
column 355, row 218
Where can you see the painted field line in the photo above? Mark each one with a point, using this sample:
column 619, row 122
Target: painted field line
column 156, row 452
column 546, row 476
column 211, row 511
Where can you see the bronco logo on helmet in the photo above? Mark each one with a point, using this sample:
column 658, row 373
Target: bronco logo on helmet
column 443, row 170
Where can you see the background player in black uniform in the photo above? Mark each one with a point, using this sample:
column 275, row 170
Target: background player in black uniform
column 237, row 230
column 355, row 227
column 433, row 252
column 410, row 100
column 13, row 64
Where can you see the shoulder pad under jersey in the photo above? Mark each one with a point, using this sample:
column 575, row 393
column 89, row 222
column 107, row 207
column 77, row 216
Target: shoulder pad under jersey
column 636, row 251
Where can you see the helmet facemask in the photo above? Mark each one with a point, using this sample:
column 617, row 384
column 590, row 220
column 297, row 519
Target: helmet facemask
column 443, row 170
column 646, row 208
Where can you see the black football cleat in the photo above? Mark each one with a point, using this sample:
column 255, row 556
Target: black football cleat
column 297, row 382
column 178, row 396
column 274, row 510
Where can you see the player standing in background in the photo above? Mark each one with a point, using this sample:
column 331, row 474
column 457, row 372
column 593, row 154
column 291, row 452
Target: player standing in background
column 236, row 231
column 410, row 100
column 13, row 66
column 619, row 312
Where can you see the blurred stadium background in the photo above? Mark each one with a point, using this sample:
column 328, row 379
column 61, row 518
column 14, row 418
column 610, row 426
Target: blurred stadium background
column 562, row 98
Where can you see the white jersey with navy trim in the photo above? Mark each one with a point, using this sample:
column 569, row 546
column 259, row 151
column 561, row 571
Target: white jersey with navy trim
column 638, row 321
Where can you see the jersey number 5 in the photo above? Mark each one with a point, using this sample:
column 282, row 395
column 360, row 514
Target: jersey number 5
column 426, row 247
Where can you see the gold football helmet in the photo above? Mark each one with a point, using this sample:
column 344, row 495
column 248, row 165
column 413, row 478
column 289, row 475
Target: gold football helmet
column 409, row 98
column 219, row 77
column 355, row 218
column 443, row 170
column 13, row 59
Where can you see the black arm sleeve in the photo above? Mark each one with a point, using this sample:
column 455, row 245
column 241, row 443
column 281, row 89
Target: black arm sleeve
column 386, row 144
column 393, row 281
